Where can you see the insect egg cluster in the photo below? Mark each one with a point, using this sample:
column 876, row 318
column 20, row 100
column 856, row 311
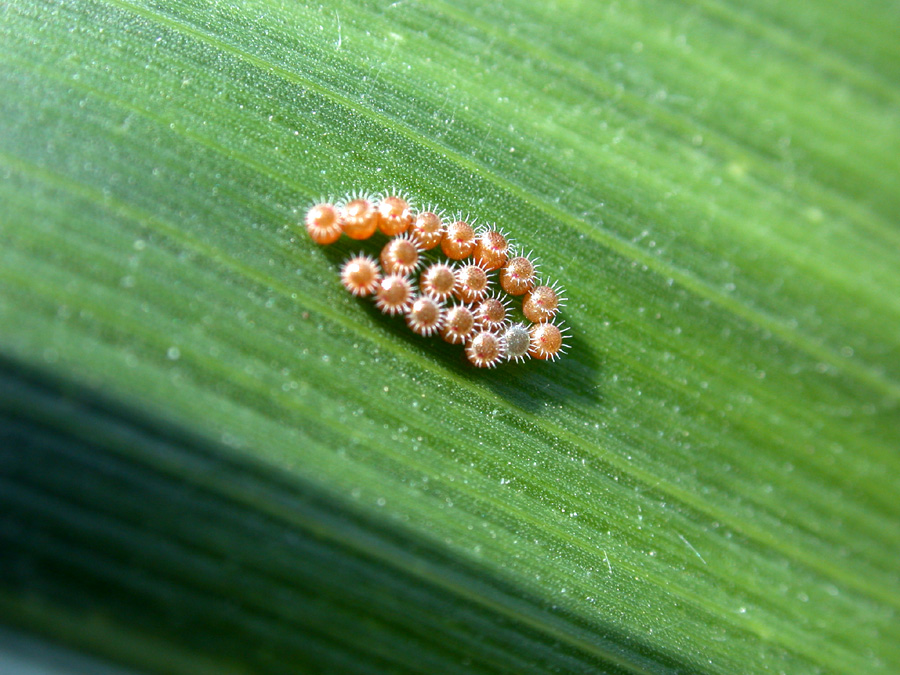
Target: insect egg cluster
column 447, row 277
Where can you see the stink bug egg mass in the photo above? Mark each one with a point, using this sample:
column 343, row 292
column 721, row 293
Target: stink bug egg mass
column 481, row 320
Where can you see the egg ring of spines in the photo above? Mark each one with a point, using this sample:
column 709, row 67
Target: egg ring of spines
column 447, row 277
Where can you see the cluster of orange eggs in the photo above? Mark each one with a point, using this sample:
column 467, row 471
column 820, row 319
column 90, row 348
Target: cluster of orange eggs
column 452, row 294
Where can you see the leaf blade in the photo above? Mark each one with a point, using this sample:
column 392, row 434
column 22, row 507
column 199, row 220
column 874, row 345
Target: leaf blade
column 714, row 399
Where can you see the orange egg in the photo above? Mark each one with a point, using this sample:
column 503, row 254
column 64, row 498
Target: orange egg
column 472, row 283
column 491, row 249
column 361, row 275
column 548, row 341
column 517, row 275
column 486, row 350
column 426, row 316
column 394, row 294
column 400, row 255
column 439, row 280
column 427, row 230
column 395, row 215
column 543, row 303
column 323, row 222
column 459, row 324
column 360, row 219
column 459, row 240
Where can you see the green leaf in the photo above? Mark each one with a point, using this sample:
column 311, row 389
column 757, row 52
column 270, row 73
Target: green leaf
column 213, row 459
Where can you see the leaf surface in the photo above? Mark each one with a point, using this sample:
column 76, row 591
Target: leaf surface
column 219, row 435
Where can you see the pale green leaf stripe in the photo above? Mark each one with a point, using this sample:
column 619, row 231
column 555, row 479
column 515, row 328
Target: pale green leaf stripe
column 708, row 481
